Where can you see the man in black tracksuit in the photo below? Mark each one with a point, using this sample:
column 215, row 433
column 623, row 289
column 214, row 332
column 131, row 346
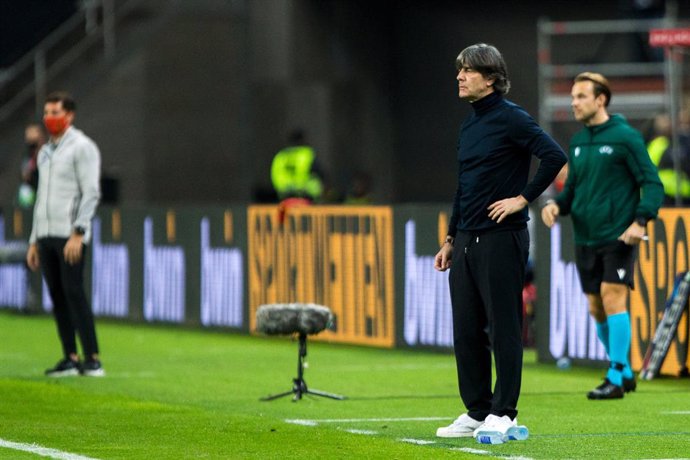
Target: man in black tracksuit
column 487, row 244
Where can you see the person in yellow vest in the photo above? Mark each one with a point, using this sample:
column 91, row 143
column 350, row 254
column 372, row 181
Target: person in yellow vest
column 295, row 175
column 294, row 171
column 661, row 154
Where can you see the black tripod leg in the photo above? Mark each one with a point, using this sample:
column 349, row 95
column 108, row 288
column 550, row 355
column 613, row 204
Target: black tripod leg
column 276, row 396
column 299, row 386
column 326, row 395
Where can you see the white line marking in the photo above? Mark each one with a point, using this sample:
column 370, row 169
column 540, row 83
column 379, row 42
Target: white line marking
column 366, row 432
column 677, row 412
column 420, row 442
column 314, row 422
column 469, row 450
column 42, row 451
column 301, row 422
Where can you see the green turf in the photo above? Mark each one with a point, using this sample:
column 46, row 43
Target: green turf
column 174, row 393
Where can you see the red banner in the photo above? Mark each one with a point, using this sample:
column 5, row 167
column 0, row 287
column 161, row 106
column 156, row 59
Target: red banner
column 669, row 37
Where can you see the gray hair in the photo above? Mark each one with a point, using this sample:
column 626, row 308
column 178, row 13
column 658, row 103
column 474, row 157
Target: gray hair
column 487, row 60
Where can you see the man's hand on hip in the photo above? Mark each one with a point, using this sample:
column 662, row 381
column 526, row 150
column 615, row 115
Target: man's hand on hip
column 501, row 209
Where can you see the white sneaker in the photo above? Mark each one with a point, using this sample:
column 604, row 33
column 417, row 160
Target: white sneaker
column 463, row 426
column 495, row 429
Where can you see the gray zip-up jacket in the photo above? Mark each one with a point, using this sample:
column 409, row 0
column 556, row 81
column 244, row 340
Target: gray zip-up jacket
column 68, row 186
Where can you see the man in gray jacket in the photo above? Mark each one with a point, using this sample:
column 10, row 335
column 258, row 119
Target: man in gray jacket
column 66, row 200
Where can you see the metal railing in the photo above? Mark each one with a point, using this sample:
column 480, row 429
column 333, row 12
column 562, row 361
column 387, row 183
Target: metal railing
column 92, row 27
column 636, row 104
column 640, row 100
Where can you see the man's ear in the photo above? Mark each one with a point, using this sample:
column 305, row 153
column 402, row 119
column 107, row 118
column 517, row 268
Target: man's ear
column 602, row 99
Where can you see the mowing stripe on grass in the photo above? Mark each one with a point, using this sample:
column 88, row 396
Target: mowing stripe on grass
column 314, row 422
column 42, row 451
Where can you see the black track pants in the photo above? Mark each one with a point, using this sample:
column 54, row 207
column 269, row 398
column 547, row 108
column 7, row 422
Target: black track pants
column 486, row 279
column 71, row 309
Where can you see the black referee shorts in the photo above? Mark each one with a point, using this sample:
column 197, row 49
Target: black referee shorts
column 611, row 263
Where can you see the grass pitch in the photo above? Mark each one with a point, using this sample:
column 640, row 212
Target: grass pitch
column 175, row 393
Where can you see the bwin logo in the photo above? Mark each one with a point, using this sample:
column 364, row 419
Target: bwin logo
column 606, row 149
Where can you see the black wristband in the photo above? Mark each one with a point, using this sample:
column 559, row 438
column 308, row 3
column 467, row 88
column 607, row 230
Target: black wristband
column 641, row 221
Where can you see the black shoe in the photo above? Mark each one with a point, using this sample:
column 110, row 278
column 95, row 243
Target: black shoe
column 92, row 368
column 629, row 384
column 606, row 390
column 64, row 368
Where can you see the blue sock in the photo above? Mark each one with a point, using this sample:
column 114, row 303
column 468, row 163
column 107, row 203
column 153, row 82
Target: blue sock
column 603, row 334
column 620, row 334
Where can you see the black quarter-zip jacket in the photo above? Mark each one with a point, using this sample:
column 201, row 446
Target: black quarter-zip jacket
column 494, row 151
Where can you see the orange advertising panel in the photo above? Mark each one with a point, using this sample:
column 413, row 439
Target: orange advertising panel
column 660, row 260
column 340, row 257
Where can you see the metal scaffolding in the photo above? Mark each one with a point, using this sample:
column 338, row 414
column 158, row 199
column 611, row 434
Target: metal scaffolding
column 642, row 88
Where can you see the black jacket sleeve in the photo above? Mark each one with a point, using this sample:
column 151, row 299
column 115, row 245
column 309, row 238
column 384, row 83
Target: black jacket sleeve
column 526, row 133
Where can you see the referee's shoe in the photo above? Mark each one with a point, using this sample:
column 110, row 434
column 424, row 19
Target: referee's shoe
column 629, row 384
column 606, row 390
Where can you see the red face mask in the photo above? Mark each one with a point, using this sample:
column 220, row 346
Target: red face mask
column 55, row 125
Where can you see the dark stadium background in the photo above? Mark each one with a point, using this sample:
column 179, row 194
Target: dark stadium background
column 193, row 107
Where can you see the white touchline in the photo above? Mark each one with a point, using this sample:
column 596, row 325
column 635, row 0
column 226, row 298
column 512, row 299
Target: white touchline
column 301, row 422
column 42, row 451
column 366, row 432
column 314, row 422
column 420, row 442
column 469, row 450
column 677, row 412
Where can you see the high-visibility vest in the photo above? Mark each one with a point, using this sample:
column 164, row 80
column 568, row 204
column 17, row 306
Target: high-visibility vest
column 656, row 148
column 292, row 175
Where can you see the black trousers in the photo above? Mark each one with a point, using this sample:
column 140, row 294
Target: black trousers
column 71, row 309
column 486, row 279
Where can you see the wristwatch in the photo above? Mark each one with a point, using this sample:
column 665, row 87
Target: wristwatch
column 641, row 221
column 79, row 230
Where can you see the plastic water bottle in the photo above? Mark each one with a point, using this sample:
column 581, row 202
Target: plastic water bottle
column 491, row 437
column 563, row 363
column 518, row 433
column 514, row 433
